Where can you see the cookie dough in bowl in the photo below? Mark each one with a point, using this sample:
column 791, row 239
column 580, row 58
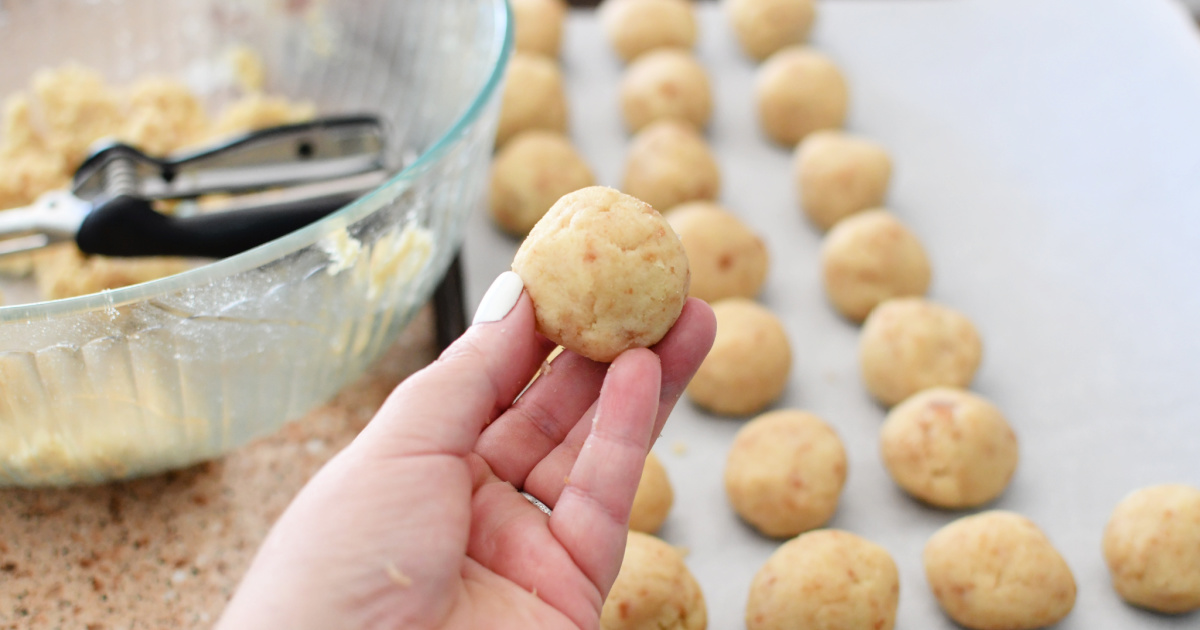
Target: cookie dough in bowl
column 911, row 344
column 1152, row 547
column 654, row 497
column 654, row 590
column 666, row 83
column 825, row 580
column 532, row 172
column 764, row 26
column 635, row 27
column 785, row 472
column 727, row 259
column 534, row 97
column 670, row 163
column 998, row 571
column 869, row 258
column 949, row 448
column 749, row 364
column 539, row 26
column 605, row 272
column 838, row 174
column 800, row 91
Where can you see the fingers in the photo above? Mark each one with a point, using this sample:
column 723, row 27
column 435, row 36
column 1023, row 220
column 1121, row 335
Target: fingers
column 682, row 351
column 444, row 407
column 592, row 513
column 542, row 417
column 545, row 416
column 510, row 537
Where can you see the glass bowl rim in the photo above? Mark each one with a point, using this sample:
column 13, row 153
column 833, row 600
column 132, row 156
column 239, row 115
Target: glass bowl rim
column 304, row 237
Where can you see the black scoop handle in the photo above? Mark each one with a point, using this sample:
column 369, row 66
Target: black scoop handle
column 128, row 226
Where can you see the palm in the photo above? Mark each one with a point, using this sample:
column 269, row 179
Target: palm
column 454, row 545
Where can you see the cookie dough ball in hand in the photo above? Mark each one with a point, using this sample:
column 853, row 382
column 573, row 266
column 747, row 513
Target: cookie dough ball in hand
column 654, row 497
column 534, row 97
column 666, row 83
column 949, row 448
column 605, row 272
column 670, row 163
column 635, row 27
column 785, row 473
column 800, row 91
column 825, row 580
column 748, row 366
column 539, row 26
column 530, row 174
column 998, row 571
column 1152, row 547
column 654, row 590
column 870, row 258
column 910, row 344
column 838, row 174
column 727, row 259
column 765, row 26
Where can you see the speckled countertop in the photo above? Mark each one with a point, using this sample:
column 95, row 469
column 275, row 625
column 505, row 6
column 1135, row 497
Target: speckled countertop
column 168, row 551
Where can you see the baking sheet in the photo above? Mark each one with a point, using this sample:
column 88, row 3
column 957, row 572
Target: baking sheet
column 1048, row 154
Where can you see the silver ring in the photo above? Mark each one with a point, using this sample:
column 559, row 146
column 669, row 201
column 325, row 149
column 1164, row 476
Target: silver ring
column 532, row 499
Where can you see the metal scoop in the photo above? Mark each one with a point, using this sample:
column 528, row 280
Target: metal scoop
column 281, row 179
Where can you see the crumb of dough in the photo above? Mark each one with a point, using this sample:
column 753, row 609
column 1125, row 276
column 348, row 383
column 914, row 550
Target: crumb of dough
column 247, row 68
column 396, row 576
column 679, row 448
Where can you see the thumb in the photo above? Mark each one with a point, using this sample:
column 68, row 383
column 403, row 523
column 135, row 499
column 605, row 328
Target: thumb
column 444, row 407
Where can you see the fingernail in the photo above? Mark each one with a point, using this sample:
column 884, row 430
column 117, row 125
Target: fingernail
column 500, row 298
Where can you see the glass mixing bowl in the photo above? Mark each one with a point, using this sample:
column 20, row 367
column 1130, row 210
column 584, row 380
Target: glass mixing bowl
column 168, row 373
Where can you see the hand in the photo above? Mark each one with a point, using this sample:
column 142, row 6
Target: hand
column 418, row 522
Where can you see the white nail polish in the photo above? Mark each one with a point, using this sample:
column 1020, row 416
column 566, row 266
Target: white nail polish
column 500, row 298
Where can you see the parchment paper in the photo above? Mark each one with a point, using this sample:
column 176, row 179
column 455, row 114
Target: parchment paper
column 1048, row 154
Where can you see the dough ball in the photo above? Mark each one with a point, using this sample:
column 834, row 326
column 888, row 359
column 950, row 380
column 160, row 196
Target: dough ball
column 825, row 580
column 529, row 174
column 748, row 366
column 539, row 26
column 870, row 258
column 1152, row 547
column 998, row 571
column 785, row 473
column 605, row 272
column 654, row 590
column 949, row 448
column 911, row 344
column 839, row 174
column 800, row 91
column 635, row 27
column 654, row 497
column 670, row 163
column 765, row 26
column 727, row 259
column 534, row 97
column 666, row 83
